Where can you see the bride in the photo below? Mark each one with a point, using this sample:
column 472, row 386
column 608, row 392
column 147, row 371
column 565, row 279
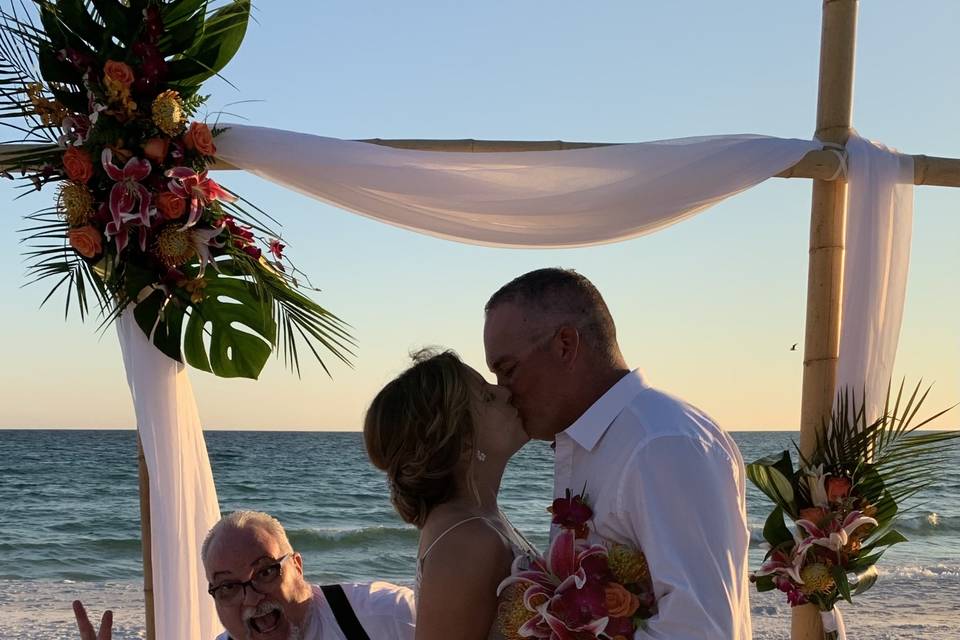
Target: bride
column 443, row 436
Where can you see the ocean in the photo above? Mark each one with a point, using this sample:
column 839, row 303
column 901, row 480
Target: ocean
column 69, row 527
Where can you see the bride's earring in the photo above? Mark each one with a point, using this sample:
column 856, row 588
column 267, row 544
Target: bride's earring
column 481, row 456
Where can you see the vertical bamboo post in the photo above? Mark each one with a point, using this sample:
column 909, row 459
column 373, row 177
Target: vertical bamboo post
column 825, row 275
column 146, row 543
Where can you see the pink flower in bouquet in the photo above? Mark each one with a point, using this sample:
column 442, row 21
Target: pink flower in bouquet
column 571, row 513
column 276, row 248
column 198, row 189
column 835, row 534
column 128, row 190
column 566, row 590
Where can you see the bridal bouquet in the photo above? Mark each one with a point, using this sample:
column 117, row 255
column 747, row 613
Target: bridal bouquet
column 843, row 502
column 579, row 590
column 107, row 92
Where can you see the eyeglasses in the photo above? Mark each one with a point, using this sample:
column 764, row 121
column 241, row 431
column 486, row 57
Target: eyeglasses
column 264, row 580
column 505, row 375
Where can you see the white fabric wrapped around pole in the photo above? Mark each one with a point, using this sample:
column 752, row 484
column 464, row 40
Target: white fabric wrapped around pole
column 183, row 499
column 876, row 262
column 566, row 198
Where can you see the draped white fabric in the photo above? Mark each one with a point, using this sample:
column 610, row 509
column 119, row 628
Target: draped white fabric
column 530, row 199
column 183, row 499
column 876, row 261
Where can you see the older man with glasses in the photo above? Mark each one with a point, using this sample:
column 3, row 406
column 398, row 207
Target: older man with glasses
column 257, row 584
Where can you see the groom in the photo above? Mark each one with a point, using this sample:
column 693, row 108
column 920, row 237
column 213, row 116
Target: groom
column 659, row 474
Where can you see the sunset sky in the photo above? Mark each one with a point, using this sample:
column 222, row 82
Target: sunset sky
column 708, row 309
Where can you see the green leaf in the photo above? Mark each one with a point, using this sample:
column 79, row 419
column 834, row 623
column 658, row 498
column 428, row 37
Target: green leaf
column 121, row 22
column 74, row 14
column 775, row 531
column 55, row 70
column 222, row 35
column 843, row 585
column 764, row 583
column 173, row 13
column 773, row 476
column 181, row 37
column 162, row 322
column 233, row 352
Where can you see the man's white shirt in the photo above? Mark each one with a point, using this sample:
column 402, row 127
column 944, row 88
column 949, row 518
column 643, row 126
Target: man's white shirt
column 660, row 475
column 386, row 612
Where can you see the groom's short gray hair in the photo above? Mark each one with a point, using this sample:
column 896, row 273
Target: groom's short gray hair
column 564, row 296
column 239, row 520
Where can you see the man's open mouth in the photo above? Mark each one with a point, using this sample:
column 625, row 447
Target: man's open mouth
column 265, row 623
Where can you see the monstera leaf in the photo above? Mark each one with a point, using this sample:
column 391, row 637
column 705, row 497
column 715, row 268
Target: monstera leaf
column 241, row 325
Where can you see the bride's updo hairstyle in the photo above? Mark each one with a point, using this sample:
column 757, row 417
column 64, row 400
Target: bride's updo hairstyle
column 419, row 429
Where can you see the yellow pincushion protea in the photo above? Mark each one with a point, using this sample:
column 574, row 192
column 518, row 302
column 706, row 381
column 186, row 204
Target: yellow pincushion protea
column 76, row 203
column 168, row 113
column 175, row 246
column 511, row 613
column 816, row 579
column 629, row 566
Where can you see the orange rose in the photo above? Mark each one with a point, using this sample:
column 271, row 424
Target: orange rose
column 86, row 241
column 816, row 515
column 118, row 72
column 620, row 602
column 838, row 488
column 199, row 138
column 156, row 149
column 170, row 205
column 78, row 165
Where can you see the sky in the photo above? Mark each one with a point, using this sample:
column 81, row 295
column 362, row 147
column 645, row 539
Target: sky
column 707, row 309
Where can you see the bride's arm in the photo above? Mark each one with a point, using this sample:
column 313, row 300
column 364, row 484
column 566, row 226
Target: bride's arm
column 458, row 585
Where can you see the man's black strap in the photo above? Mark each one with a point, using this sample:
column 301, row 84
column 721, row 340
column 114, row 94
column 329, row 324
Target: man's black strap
column 343, row 612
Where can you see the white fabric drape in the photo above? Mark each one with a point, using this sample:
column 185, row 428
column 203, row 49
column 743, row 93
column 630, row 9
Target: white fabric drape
column 876, row 261
column 530, row 199
column 183, row 499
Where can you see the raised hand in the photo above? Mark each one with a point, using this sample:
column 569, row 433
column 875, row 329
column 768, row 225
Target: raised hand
column 87, row 631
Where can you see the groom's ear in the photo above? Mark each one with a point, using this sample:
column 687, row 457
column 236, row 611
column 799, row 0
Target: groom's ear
column 567, row 345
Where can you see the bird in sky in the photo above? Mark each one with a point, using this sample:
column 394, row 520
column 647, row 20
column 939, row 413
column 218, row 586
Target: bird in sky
column 794, row 347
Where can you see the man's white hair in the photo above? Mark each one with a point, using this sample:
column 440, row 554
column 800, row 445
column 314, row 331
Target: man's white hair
column 239, row 520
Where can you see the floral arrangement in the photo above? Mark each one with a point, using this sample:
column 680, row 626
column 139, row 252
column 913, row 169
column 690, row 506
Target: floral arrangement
column 579, row 590
column 107, row 92
column 844, row 501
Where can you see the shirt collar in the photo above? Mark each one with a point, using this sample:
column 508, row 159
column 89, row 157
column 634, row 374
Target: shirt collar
column 590, row 427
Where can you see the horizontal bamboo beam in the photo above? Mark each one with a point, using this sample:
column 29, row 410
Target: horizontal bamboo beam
column 818, row 165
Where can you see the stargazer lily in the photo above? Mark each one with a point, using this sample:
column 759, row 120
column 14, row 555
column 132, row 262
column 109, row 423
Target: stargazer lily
column 560, row 582
column 835, row 536
column 128, row 191
column 198, row 189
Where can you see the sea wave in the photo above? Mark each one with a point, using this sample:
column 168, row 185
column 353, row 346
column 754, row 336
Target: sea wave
column 926, row 524
column 329, row 539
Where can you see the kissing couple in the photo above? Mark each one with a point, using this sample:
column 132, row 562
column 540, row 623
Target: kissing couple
column 660, row 476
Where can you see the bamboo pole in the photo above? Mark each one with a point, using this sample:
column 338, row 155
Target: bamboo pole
column 818, row 165
column 825, row 275
column 146, row 542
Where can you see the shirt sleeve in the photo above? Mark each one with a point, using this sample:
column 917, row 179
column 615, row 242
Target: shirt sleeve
column 684, row 504
column 384, row 610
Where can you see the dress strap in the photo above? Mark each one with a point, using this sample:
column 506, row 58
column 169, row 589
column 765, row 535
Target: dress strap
column 449, row 529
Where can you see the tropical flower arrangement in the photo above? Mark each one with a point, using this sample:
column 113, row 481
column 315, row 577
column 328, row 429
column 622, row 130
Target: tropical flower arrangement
column 107, row 92
column 844, row 501
column 579, row 590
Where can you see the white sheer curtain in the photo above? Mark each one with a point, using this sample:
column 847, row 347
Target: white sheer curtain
column 529, row 199
column 876, row 261
column 183, row 499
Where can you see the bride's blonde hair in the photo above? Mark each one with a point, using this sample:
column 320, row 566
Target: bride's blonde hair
column 419, row 428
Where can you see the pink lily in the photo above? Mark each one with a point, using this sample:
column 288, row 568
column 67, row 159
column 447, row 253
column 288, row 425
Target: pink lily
column 781, row 563
column 835, row 536
column 198, row 189
column 128, row 190
column 203, row 239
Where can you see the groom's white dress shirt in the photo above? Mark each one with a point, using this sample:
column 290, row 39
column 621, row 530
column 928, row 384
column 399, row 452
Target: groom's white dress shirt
column 659, row 474
column 386, row 612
